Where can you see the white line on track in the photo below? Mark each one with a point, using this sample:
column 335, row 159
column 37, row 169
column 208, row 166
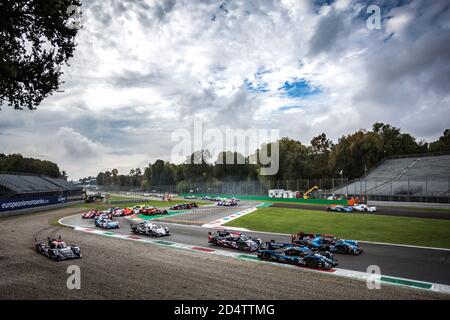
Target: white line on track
column 357, row 275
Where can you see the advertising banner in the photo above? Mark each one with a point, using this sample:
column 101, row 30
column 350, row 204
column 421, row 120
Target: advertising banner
column 32, row 202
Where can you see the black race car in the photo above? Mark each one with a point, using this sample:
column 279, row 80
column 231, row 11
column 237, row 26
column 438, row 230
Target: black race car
column 57, row 250
column 327, row 242
column 184, row 206
column 299, row 255
column 234, row 240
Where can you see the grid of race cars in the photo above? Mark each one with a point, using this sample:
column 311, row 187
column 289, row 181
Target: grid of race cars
column 305, row 249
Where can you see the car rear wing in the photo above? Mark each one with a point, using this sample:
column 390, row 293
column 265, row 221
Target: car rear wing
column 272, row 245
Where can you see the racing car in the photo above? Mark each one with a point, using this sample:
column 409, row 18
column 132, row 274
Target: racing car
column 327, row 242
column 234, row 240
column 90, row 214
column 128, row 211
column 339, row 208
column 227, row 203
column 106, row 223
column 150, row 211
column 299, row 255
column 149, row 229
column 184, row 206
column 57, row 250
column 364, row 208
column 137, row 209
column 190, row 197
column 118, row 212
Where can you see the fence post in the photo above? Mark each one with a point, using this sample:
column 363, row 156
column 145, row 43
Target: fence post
column 409, row 193
column 390, row 193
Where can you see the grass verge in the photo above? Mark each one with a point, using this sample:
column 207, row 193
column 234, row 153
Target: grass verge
column 390, row 229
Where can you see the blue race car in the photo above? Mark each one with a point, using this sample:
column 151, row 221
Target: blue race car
column 106, row 223
column 299, row 255
column 327, row 242
column 340, row 208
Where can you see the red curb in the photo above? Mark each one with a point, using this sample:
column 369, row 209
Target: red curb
column 134, row 237
column 316, row 269
column 203, row 249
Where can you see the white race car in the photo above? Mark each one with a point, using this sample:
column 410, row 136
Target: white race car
column 364, row 208
column 150, row 229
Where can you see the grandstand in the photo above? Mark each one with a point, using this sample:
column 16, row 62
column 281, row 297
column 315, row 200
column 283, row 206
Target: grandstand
column 417, row 176
column 22, row 191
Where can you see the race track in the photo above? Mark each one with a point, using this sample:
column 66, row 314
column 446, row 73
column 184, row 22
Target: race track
column 381, row 210
column 399, row 261
column 119, row 269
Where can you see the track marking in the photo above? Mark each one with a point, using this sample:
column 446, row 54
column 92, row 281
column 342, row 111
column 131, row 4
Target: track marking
column 233, row 216
column 358, row 275
column 220, row 227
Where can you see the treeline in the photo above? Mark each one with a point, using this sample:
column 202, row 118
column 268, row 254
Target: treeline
column 18, row 163
column 353, row 155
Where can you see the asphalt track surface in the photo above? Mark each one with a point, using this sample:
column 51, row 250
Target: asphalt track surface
column 385, row 211
column 406, row 262
column 119, row 269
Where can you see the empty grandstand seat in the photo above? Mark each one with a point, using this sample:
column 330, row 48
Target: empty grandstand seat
column 405, row 176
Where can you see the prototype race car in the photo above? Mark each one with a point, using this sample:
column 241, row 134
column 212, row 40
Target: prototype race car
column 128, row 211
column 339, row 208
column 149, row 229
column 234, row 240
column 364, row 208
column 184, row 206
column 327, row 242
column 91, row 214
column 227, row 203
column 190, row 197
column 106, row 223
column 117, row 212
column 299, row 255
column 150, row 211
column 58, row 250
column 137, row 209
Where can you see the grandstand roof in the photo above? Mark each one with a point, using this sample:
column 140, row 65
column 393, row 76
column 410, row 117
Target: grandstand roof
column 21, row 183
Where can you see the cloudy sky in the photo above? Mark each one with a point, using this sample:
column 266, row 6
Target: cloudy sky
column 143, row 69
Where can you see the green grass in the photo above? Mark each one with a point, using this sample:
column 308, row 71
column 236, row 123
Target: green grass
column 401, row 230
column 445, row 210
column 296, row 203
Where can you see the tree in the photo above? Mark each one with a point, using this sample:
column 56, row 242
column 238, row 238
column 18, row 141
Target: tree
column 395, row 142
column 356, row 152
column 36, row 41
column 320, row 154
column 115, row 180
column 18, row 163
column 100, row 179
column 442, row 144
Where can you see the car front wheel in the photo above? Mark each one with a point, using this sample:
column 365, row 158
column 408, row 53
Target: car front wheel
column 311, row 263
column 267, row 256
